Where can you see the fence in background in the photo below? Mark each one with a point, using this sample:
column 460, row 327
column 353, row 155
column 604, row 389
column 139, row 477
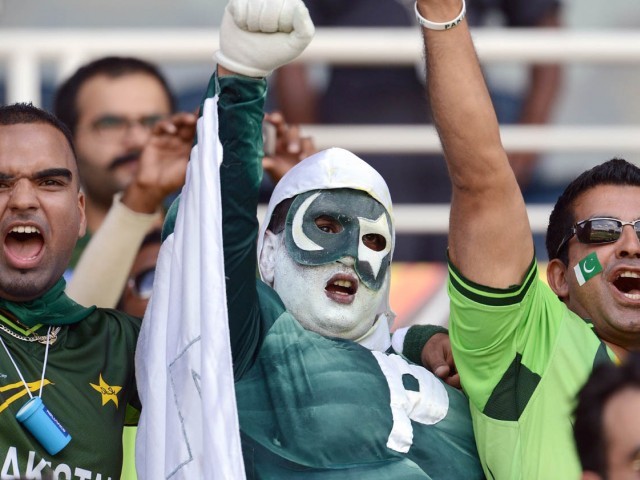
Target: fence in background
column 23, row 52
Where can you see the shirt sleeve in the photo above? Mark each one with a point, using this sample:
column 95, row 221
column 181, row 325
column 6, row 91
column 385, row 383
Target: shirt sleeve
column 498, row 333
column 240, row 109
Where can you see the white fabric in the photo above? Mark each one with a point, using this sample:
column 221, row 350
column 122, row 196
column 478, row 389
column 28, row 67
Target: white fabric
column 258, row 37
column 189, row 426
column 331, row 169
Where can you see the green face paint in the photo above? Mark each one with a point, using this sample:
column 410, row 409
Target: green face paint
column 358, row 215
column 587, row 268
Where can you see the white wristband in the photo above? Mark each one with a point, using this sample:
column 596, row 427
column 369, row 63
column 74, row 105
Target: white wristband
column 444, row 25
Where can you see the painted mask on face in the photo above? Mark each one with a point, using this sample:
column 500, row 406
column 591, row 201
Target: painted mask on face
column 363, row 233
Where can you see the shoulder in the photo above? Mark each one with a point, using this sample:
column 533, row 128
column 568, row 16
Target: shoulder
column 114, row 320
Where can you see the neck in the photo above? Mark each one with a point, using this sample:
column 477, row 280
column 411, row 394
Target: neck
column 95, row 213
column 619, row 351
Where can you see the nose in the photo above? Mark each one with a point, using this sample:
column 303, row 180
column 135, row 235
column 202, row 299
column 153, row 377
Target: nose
column 348, row 261
column 628, row 245
column 23, row 196
column 136, row 135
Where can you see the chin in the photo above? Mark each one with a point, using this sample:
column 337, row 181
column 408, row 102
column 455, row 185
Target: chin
column 335, row 326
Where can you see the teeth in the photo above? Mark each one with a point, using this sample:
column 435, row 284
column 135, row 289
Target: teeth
column 632, row 296
column 25, row 229
column 343, row 283
column 629, row 275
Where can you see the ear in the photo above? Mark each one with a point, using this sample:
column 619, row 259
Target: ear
column 557, row 278
column 83, row 217
column 267, row 260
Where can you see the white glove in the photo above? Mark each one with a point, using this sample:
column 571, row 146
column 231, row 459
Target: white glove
column 258, row 36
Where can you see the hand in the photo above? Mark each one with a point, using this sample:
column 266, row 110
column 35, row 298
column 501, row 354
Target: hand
column 438, row 358
column 163, row 163
column 258, row 36
column 290, row 147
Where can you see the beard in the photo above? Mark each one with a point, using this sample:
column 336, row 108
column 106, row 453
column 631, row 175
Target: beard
column 23, row 287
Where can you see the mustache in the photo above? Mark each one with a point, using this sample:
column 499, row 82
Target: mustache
column 126, row 158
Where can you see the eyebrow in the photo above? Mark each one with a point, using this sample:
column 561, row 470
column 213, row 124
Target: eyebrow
column 49, row 172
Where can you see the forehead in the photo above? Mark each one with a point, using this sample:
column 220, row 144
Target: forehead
column 131, row 94
column 619, row 201
column 621, row 420
column 30, row 147
column 343, row 201
column 147, row 257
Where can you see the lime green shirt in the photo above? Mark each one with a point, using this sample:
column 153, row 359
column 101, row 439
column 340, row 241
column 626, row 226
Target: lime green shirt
column 522, row 357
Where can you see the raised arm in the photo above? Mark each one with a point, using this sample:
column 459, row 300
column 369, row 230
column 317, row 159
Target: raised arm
column 489, row 234
column 254, row 41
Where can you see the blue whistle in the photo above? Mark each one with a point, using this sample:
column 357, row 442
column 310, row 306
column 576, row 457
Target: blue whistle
column 41, row 423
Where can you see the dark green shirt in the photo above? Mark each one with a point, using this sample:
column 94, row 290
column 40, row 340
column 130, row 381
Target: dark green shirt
column 89, row 383
column 310, row 406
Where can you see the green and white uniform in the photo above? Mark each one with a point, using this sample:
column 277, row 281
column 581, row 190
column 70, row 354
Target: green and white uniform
column 310, row 406
column 522, row 357
column 89, row 386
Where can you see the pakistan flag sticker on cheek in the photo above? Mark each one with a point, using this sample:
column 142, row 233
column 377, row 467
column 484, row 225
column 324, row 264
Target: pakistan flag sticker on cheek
column 587, row 268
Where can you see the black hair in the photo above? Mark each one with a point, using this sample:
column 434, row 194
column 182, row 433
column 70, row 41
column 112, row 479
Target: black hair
column 20, row 113
column 65, row 101
column 605, row 381
column 279, row 215
column 154, row 236
column 613, row 172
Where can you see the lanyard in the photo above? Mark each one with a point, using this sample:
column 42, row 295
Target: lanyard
column 44, row 366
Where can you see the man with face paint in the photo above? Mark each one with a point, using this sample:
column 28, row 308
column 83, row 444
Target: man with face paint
column 313, row 403
column 523, row 349
column 336, row 240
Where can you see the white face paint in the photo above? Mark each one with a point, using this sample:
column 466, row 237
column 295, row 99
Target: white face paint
column 328, row 299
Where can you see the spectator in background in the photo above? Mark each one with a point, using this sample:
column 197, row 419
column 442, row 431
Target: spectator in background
column 395, row 94
column 137, row 291
column 110, row 105
column 607, row 424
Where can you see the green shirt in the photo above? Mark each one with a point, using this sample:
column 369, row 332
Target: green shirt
column 310, row 406
column 522, row 357
column 89, row 384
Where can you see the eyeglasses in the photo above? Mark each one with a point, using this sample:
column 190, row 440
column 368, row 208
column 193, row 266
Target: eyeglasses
column 598, row 230
column 142, row 284
column 115, row 127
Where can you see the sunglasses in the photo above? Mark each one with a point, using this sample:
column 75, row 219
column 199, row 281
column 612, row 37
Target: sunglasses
column 598, row 230
column 142, row 284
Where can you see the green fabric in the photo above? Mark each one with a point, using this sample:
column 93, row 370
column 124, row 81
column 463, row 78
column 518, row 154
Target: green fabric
column 52, row 308
column 522, row 356
column 129, row 454
column 309, row 406
column 416, row 338
column 99, row 347
column 323, row 411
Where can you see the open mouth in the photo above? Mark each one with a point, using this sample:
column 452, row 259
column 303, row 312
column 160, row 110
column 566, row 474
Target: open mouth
column 628, row 283
column 23, row 244
column 342, row 288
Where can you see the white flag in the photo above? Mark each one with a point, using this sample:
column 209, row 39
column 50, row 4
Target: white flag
column 189, row 426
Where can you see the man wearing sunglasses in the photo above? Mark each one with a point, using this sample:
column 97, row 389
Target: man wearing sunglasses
column 523, row 349
column 137, row 291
